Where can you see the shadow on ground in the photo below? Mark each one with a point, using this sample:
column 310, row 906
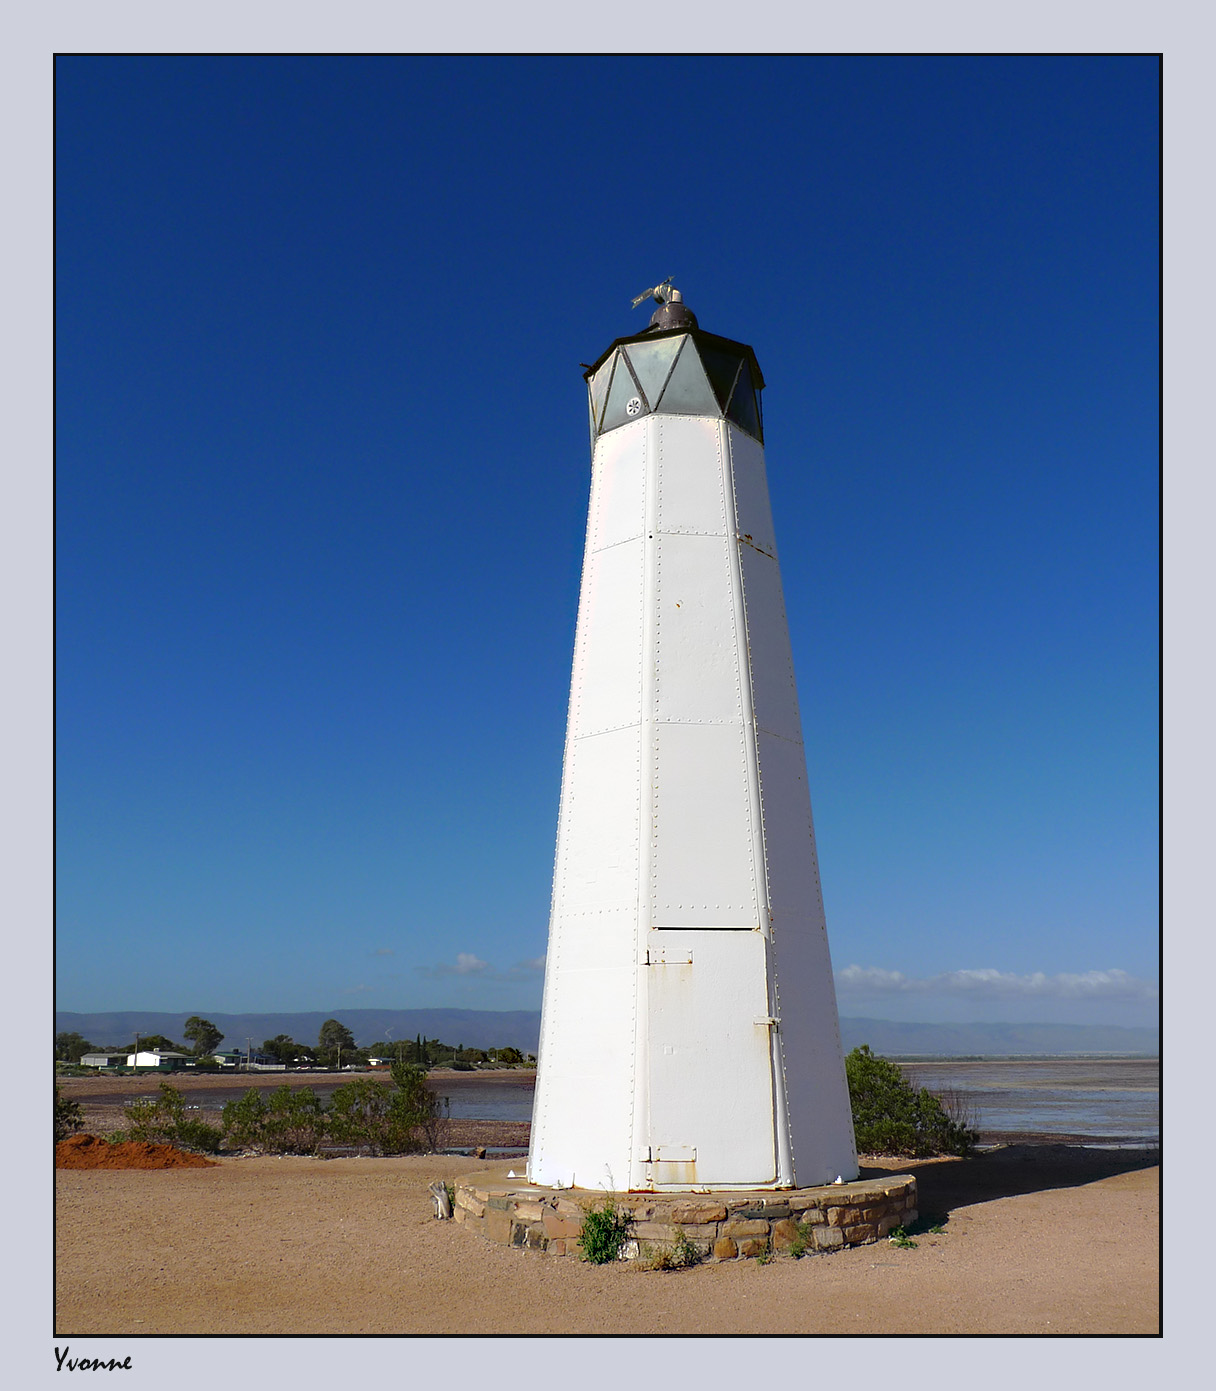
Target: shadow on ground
column 945, row 1184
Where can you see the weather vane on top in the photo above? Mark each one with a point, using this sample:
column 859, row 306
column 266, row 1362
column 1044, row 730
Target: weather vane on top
column 664, row 293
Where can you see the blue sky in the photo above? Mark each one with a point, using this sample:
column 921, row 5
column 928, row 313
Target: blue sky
column 322, row 481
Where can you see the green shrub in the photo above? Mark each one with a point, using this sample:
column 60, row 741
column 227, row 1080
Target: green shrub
column 292, row 1121
column 890, row 1116
column 802, row 1241
column 678, row 1255
column 361, row 1112
column 162, row 1120
column 198, row 1135
column 604, row 1232
column 419, row 1107
column 68, row 1116
column 244, row 1121
column 404, row 1118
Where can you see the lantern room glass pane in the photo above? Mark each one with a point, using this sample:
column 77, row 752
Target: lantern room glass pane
column 688, row 391
column 624, row 400
column 744, row 405
column 722, row 369
column 599, row 388
column 651, row 363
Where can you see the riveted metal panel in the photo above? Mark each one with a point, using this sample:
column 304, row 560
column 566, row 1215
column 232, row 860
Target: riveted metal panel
column 817, row 1092
column 774, row 698
column 789, row 845
column 598, row 835
column 697, row 662
column 690, row 488
column 618, row 472
column 606, row 691
column 753, row 514
column 582, row 1110
column 710, row 1064
column 703, row 849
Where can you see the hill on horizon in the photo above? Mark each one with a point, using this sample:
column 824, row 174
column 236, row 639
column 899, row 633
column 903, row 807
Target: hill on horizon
column 478, row 1028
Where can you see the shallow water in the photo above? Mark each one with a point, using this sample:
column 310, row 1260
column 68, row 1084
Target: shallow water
column 1115, row 1100
column 1102, row 1099
column 1105, row 1099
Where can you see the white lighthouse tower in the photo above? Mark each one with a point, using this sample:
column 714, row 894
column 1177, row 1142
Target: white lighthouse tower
column 689, row 1035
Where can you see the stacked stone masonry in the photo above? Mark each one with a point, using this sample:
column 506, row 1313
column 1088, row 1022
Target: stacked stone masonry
column 725, row 1226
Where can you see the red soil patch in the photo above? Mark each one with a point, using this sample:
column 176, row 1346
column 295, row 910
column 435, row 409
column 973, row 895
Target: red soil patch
column 88, row 1152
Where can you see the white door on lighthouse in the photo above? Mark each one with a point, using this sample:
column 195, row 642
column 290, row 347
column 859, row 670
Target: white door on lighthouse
column 711, row 1092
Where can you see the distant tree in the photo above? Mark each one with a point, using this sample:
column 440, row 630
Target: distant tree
column 334, row 1040
column 150, row 1041
column 333, row 1033
column 511, row 1056
column 283, row 1048
column 203, row 1034
column 70, row 1048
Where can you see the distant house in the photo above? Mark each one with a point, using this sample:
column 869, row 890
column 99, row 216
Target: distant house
column 162, row 1060
column 104, row 1060
column 238, row 1057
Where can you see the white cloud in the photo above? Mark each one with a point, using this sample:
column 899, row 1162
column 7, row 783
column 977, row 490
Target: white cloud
column 990, row 983
column 466, row 964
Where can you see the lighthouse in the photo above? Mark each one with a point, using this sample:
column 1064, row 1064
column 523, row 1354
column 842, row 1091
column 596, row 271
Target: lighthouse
column 689, row 1033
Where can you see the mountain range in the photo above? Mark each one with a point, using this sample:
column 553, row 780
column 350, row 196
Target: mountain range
column 475, row 1028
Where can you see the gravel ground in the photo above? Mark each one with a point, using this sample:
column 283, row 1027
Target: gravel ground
column 1034, row 1240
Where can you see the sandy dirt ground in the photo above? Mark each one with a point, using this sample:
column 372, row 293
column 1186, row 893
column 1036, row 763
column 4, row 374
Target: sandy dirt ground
column 1043, row 1240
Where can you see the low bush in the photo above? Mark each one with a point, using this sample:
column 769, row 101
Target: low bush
column 295, row 1120
column 290, row 1121
column 162, row 1120
column 244, row 1121
column 68, row 1117
column 604, row 1232
column 802, row 1242
column 677, row 1255
column 890, row 1116
column 364, row 1112
column 426, row 1113
column 403, row 1118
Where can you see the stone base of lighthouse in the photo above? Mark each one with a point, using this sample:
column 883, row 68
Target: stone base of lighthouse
column 725, row 1226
